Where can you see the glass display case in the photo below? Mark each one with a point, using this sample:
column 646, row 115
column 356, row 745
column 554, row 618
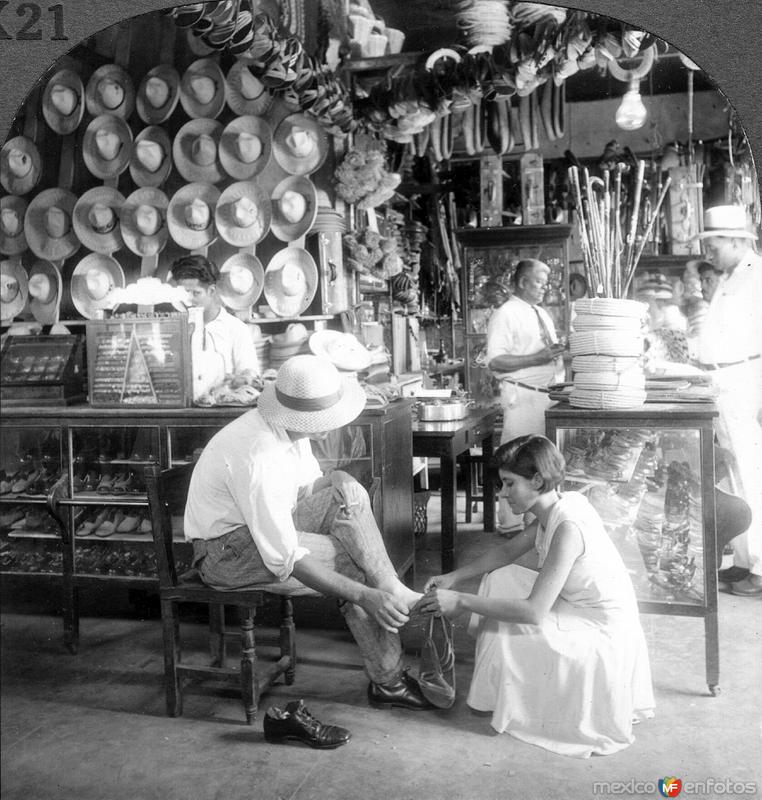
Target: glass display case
column 649, row 473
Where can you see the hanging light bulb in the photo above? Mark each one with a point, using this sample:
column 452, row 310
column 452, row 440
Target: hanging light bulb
column 631, row 114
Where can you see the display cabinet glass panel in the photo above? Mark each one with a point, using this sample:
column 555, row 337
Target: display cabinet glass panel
column 184, row 445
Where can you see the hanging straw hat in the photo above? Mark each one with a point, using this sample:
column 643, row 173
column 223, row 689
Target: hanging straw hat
column 241, row 279
column 93, row 279
column 107, row 146
column 343, row 350
column 245, row 93
column 300, row 145
column 110, row 91
column 45, row 289
column 294, row 204
column 309, row 395
column 151, row 160
column 96, row 219
column 726, row 221
column 48, row 224
column 245, row 147
column 195, row 151
column 202, row 89
column 243, row 214
column 13, row 289
column 63, row 101
column 291, row 280
column 158, row 94
column 143, row 221
column 190, row 215
column 12, row 237
column 20, row 165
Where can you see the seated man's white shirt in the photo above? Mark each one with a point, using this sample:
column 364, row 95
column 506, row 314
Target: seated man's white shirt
column 230, row 337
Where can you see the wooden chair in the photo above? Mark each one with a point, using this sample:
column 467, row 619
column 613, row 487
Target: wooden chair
column 167, row 491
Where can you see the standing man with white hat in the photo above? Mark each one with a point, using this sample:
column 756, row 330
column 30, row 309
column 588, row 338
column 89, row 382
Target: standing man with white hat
column 730, row 350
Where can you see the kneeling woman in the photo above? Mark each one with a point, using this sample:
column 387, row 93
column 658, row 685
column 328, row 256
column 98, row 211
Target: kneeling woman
column 561, row 660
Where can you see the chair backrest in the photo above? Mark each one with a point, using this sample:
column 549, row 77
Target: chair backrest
column 167, row 491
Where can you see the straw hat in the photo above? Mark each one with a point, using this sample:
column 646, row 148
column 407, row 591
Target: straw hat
column 726, row 221
column 196, row 151
column 20, row 165
column 342, row 349
column 309, row 395
column 110, row 91
column 241, row 279
column 245, row 147
column 291, row 280
column 96, row 219
column 48, row 224
column 45, row 289
column 243, row 214
column 143, row 221
column 107, row 146
column 202, row 89
column 12, row 237
column 13, row 289
column 294, row 204
column 63, row 103
column 151, row 160
column 300, row 145
column 190, row 215
column 245, row 93
column 93, row 279
column 158, row 94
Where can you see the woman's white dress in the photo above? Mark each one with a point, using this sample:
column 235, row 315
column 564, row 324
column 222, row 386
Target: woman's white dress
column 574, row 684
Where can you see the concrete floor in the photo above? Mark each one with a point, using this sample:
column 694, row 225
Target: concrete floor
column 93, row 725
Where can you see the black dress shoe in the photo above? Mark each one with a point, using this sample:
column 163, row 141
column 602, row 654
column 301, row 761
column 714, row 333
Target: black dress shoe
column 296, row 724
column 402, row 693
column 732, row 574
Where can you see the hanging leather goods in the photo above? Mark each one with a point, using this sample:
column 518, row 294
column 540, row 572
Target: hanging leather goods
column 525, row 120
column 421, row 141
column 446, row 141
column 559, row 109
column 468, row 130
column 546, row 110
column 436, row 138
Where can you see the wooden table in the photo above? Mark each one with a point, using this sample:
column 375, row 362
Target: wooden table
column 446, row 441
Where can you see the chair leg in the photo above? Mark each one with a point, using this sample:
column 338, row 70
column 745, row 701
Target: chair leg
column 217, row 634
column 468, row 468
column 288, row 638
column 170, row 622
column 249, row 684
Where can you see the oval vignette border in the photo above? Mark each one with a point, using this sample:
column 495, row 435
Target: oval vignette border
column 716, row 36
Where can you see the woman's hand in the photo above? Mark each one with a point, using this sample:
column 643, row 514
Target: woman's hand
column 440, row 581
column 441, row 602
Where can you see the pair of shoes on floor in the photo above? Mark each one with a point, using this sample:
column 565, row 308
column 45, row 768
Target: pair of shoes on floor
column 732, row 574
column 404, row 692
column 296, row 724
column 748, row 587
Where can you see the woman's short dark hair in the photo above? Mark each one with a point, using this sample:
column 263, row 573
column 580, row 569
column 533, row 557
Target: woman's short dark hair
column 529, row 456
column 195, row 266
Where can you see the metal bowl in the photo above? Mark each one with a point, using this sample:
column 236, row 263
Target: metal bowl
column 444, row 410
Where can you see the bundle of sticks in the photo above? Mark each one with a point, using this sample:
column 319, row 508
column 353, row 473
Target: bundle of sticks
column 612, row 234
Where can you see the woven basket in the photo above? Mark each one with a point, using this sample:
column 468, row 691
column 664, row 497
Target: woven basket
column 607, row 343
column 603, row 364
column 595, row 322
column 632, row 379
column 611, row 307
column 619, row 398
column 420, row 513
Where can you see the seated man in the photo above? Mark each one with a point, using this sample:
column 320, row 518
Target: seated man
column 260, row 511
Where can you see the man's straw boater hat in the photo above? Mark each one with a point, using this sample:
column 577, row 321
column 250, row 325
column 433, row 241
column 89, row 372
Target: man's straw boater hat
column 144, row 221
column 243, row 213
column 729, row 221
column 107, row 146
column 151, row 160
column 45, row 289
column 110, row 91
column 158, row 94
column 202, row 89
column 20, row 165
column 245, row 147
column 13, row 289
column 241, row 279
column 63, row 102
column 48, row 224
column 195, row 151
column 96, row 219
column 12, row 237
column 300, row 145
column 190, row 215
column 93, row 279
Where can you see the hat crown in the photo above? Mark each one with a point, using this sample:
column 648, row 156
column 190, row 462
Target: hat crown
column 97, row 282
column 9, row 288
column 293, row 205
column 11, row 222
column 308, row 377
column 150, row 154
column 249, row 147
column 19, row 162
column 197, row 215
column 730, row 218
column 301, row 141
column 241, row 279
column 111, row 93
column 41, row 287
column 157, row 91
column 244, row 212
column 64, row 99
column 108, row 143
column 204, row 150
column 101, row 218
column 251, row 86
column 147, row 219
column 203, row 88
column 293, row 280
column 57, row 222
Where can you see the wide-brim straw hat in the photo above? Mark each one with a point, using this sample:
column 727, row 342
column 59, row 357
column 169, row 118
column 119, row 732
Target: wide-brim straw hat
column 93, row 279
column 48, row 244
column 602, row 399
column 605, row 343
column 241, row 280
column 235, row 155
column 147, row 172
column 195, row 136
column 20, row 165
column 309, row 395
column 166, row 79
column 729, row 221
column 589, row 322
column 65, row 88
column 344, row 350
column 106, row 85
column 608, row 381
column 245, row 93
column 303, row 192
column 300, row 145
column 102, row 165
column 186, row 237
column 13, row 289
column 243, row 213
column 209, row 69
column 138, row 241
column 107, row 240
column 291, row 280
column 614, row 307
column 12, row 239
column 45, row 288
column 604, row 363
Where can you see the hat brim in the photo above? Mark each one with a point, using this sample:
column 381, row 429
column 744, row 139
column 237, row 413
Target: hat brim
column 64, row 124
column 290, row 305
column 349, row 406
column 14, row 245
column 99, row 166
column 140, row 243
column 146, row 110
column 142, row 176
column 290, row 162
column 93, row 240
column 42, row 245
column 181, row 151
column 95, row 106
column 282, row 228
column 230, row 162
column 232, row 299
column 84, row 302
column 228, row 230
column 46, row 313
column 181, row 234
column 192, row 107
column 353, row 359
column 13, row 184
column 726, row 232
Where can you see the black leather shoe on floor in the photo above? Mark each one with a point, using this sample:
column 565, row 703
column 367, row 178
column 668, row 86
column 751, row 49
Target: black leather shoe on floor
column 732, row 574
column 296, row 724
column 402, row 693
